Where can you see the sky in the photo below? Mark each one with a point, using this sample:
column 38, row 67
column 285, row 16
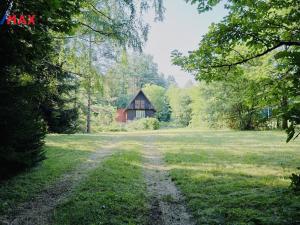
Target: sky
column 182, row 30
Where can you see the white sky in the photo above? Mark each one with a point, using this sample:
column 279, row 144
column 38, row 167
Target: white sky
column 181, row 29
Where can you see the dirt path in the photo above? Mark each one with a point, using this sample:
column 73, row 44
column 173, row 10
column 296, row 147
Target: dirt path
column 167, row 206
column 38, row 210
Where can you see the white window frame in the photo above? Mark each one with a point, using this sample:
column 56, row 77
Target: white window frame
column 140, row 114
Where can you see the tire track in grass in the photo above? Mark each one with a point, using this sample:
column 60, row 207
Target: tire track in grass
column 38, row 210
column 167, row 203
column 113, row 194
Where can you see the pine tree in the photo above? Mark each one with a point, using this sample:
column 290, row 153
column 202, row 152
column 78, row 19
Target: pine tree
column 28, row 77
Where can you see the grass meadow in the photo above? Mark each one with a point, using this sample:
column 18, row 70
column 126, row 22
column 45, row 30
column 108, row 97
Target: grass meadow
column 226, row 177
column 231, row 177
column 63, row 153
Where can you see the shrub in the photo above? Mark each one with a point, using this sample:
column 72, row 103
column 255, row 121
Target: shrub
column 144, row 124
column 22, row 131
column 152, row 123
column 295, row 178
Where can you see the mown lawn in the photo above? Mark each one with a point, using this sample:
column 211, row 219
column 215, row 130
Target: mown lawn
column 63, row 153
column 227, row 177
column 232, row 177
column 114, row 193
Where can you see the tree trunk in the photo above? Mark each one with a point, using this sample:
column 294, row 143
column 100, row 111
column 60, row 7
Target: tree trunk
column 277, row 123
column 89, row 91
column 284, row 105
column 284, row 123
column 88, row 116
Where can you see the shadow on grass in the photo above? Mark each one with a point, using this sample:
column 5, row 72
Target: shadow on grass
column 31, row 181
column 234, row 177
column 217, row 197
column 114, row 193
column 226, row 157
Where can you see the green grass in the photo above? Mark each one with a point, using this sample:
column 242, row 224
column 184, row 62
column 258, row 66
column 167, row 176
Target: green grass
column 63, row 153
column 114, row 194
column 227, row 177
column 232, row 177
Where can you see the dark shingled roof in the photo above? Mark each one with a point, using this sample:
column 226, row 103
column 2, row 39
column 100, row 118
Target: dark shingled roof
column 134, row 97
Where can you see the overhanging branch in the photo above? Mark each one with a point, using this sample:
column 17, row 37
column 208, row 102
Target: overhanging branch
column 281, row 43
column 108, row 34
column 101, row 13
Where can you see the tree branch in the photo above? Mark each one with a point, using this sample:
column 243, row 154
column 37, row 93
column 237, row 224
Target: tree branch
column 97, row 31
column 100, row 12
column 281, row 43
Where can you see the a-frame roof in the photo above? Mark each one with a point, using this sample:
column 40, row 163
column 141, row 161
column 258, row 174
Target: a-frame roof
column 134, row 97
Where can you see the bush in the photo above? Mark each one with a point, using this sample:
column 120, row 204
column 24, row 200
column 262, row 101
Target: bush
column 113, row 127
column 144, row 124
column 295, row 178
column 22, row 131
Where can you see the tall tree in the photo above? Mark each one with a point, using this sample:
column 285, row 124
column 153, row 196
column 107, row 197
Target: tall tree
column 28, row 74
column 130, row 74
column 157, row 96
column 115, row 22
column 261, row 26
column 180, row 103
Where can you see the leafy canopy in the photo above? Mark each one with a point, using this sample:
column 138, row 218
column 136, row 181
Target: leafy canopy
column 251, row 30
column 261, row 26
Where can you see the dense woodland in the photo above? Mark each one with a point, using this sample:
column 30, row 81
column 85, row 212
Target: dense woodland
column 83, row 60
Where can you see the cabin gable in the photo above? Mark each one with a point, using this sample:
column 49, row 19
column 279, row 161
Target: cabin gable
column 140, row 102
column 139, row 107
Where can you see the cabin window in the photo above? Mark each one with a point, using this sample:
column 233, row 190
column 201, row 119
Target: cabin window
column 140, row 114
column 139, row 104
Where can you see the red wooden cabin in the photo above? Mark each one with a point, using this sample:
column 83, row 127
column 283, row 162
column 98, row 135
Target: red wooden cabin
column 139, row 107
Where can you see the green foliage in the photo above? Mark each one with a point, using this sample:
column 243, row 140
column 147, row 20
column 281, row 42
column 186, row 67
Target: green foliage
column 28, row 71
column 291, row 110
column 208, row 106
column 104, row 30
column 243, row 101
column 295, row 181
column 152, row 124
column 131, row 74
column 122, row 101
column 120, row 21
column 180, row 103
column 35, row 89
column 103, row 119
column 246, row 25
column 186, row 111
column 143, row 124
column 22, row 131
column 157, row 96
column 238, row 104
column 112, row 194
column 171, row 81
column 252, row 30
column 59, row 110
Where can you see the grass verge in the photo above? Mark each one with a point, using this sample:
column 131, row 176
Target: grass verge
column 63, row 153
column 114, row 193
